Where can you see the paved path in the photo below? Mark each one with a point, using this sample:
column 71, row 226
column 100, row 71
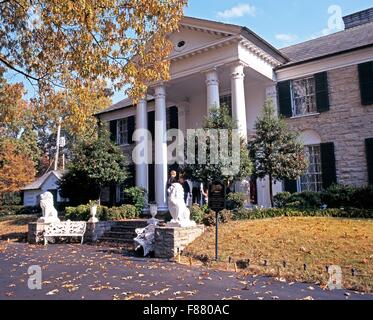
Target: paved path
column 103, row 272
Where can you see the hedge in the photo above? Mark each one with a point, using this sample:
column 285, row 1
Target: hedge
column 352, row 213
column 82, row 213
column 8, row 210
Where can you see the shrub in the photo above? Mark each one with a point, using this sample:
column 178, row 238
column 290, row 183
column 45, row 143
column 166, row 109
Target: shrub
column 236, row 200
column 135, row 196
column 126, row 211
column 83, row 212
column 363, row 198
column 210, row 218
column 197, row 213
column 8, row 210
column 338, row 196
column 302, row 200
column 247, row 214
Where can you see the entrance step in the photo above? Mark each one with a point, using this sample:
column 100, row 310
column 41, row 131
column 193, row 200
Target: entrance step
column 123, row 231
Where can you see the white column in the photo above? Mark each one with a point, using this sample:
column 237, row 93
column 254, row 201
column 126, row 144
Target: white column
column 142, row 179
column 212, row 84
column 160, row 141
column 238, row 98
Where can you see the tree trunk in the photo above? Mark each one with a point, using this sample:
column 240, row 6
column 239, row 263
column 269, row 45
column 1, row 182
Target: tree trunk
column 271, row 190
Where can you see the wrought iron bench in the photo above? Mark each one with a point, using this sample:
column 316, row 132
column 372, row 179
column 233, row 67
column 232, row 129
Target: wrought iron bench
column 65, row 229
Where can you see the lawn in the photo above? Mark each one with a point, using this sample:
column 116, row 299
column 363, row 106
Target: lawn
column 307, row 245
column 15, row 228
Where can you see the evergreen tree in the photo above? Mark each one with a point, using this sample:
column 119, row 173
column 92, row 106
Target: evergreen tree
column 219, row 118
column 276, row 150
column 95, row 165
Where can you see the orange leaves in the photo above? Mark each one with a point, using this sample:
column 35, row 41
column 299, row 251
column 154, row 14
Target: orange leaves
column 88, row 40
column 16, row 168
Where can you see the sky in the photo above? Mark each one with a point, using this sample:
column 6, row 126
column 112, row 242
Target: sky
column 280, row 22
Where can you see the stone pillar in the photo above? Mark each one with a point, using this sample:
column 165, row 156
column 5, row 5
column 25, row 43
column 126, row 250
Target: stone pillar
column 238, row 98
column 160, row 140
column 212, row 83
column 142, row 124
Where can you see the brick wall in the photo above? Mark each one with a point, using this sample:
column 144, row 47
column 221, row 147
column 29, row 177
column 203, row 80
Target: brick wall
column 347, row 124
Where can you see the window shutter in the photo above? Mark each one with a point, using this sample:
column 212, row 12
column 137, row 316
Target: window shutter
column 131, row 129
column 328, row 167
column 284, row 98
column 290, row 186
column 369, row 153
column 113, row 131
column 366, row 83
column 174, row 118
column 322, row 91
column 151, row 123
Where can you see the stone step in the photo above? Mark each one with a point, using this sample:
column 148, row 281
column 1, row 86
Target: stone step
column 125, row 229
column 116, row 240
column 138, row 223
column 121, row 235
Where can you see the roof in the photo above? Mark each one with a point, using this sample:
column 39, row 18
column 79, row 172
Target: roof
column 336, row 43
column 125, row 103
column 38, row 183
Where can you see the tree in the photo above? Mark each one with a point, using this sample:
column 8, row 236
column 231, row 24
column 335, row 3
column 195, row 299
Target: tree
column 275, row 150
column 54, row 43
column 95, row 165
column 16, row 167
column 210, row 171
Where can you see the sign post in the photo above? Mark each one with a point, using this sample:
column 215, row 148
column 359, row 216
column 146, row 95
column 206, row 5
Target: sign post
column 216, row 199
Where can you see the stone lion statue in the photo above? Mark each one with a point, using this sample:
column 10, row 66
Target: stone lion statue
column 178, row 209
column 49, row 212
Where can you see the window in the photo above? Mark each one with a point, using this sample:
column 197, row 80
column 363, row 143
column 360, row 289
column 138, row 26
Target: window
column 312, row 180
column 119, row 194
column 122, row 132
column 303, row 96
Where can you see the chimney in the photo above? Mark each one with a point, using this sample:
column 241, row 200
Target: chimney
column 358, row 18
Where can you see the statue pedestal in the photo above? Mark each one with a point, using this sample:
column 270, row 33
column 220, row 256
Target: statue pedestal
column 181, row 224
column 35, row 232
column 171, row 240
column 46, row 220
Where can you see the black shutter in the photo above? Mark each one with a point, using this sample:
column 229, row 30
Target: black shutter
column 322, row 91
column 131, row 128
column 113, row 131
column 290, row 186
column 284, row 99
column 328, row 167
column 366, row 83
column 174, row 118
column 151, row 123
column 369, row 153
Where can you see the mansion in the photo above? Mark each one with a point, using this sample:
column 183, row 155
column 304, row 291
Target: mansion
column 323, row 87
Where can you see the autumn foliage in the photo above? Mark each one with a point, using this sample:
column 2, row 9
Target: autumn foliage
column 16, row 168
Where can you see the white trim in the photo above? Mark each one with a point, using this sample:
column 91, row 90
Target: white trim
column 326, row 64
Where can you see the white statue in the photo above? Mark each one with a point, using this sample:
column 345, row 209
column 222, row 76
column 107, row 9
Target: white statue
column 145, row 238
column 50, row 214
column 178, row 209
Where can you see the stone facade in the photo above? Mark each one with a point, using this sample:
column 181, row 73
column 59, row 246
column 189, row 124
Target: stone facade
column 35, row 232
column 168, row 241
column 348, row 123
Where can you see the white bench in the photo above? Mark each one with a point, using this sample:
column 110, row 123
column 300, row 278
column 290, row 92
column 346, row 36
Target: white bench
column 65, row 229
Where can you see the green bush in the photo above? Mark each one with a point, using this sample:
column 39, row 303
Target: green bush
column 339, row 196
column 8, row 210
column 197, row 214
column 126, row 211
column 363, row 198
column 83, row 212
column 135, row 196
column 302, row 200
column 236, row 200
column 352, row 213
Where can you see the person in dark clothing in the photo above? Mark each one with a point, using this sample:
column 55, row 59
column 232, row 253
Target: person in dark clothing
column 186, row 188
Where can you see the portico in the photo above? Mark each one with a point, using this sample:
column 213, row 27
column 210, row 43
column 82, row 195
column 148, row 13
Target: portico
column 212, row 64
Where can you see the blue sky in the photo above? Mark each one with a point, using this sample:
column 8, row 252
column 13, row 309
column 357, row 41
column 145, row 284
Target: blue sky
column 280, row 22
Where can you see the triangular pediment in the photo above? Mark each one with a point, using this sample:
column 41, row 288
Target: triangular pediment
column 195, row 33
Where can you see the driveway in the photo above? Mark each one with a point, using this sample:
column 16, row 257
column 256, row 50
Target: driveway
column 70, row 271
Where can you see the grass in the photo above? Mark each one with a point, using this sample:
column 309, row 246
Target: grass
column 15, row 228
column 316, row 242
